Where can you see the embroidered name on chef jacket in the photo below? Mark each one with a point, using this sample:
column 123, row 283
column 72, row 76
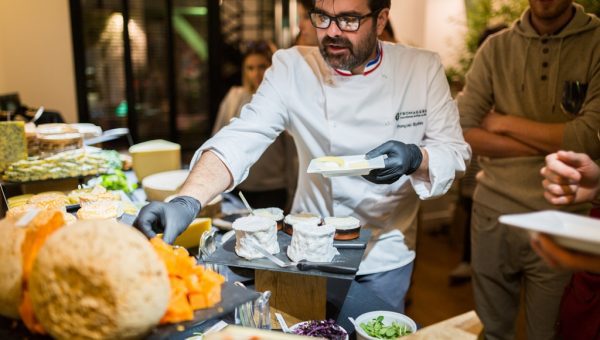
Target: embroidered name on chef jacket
column 402, row 116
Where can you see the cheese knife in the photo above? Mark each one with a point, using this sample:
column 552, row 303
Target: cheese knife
column 341, row 245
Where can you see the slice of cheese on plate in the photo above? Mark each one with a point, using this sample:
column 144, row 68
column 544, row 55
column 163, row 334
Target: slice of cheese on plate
column 331, row 162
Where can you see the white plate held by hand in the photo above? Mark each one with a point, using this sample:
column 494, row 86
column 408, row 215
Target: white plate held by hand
column 357, row 165
column 568, row 230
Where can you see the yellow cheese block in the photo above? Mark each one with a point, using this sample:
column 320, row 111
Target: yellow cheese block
column 191, row 236
column 155, row 156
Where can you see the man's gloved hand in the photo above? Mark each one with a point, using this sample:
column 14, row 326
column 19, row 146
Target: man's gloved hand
column 170, row 218
column 402, row 159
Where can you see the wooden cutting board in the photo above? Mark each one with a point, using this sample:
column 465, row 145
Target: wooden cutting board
column 465, row 326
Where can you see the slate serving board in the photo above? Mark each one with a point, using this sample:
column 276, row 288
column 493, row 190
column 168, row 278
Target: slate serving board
column 231, row 297
column 225, row 255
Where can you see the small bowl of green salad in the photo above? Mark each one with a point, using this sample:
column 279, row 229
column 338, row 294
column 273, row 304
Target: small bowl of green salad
column 383, row 325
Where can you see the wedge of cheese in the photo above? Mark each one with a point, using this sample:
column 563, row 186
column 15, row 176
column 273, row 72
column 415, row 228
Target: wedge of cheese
column 191, row 236
column 155, row 156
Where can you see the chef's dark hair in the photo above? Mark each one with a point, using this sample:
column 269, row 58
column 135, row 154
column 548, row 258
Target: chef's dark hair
column 377, row 5
column 374, row 5
column 307, row 4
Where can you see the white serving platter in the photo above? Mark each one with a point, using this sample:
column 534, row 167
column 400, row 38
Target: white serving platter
column 568, row 230
column 355, row 165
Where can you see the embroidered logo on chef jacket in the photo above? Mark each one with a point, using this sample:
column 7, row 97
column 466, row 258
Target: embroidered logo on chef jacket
column 407, row 119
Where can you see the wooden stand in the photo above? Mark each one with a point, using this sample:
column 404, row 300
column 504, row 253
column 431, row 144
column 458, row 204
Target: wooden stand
column 302, row 296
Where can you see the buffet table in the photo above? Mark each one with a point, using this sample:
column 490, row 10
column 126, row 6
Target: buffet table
column 298, row 295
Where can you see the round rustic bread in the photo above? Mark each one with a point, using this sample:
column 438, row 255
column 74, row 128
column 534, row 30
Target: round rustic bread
column 11, row 268
column 98, row 279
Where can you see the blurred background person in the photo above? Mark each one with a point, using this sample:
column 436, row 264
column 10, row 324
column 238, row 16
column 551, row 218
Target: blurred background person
column 308, row 34
column 571, row 178
column 462, row 272
column 269, row 180
column 512, row 123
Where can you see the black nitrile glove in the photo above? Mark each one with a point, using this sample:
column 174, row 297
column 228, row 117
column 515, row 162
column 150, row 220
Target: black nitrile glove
column 402, row 159
column 170, row 218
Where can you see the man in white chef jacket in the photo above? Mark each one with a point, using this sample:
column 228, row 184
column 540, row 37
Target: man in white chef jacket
column 350, row 95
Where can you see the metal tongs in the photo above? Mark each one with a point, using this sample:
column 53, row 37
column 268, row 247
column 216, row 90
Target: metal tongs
column 255, row 314
column 4, row 204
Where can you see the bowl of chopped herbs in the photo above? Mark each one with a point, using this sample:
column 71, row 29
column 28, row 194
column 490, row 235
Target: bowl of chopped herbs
column 384, row 325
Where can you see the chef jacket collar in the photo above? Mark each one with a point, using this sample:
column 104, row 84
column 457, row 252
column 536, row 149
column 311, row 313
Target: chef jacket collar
column 371, row 65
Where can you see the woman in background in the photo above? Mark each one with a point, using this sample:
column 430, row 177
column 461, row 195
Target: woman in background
column 308, row 34
column 269, row 180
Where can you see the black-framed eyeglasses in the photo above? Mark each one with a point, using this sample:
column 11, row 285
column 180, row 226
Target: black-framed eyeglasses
column 347, row 23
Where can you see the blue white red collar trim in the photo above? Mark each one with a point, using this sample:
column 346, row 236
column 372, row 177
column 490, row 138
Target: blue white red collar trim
column 370, row 67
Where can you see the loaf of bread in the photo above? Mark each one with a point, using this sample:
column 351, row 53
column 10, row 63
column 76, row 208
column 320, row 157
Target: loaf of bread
column 98, row 279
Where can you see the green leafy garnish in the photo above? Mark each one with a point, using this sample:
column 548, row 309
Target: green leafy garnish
column 377, row 329
column 117, row 181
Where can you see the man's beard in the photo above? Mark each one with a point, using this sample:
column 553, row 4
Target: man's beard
column 551, row 13
column 358, row 55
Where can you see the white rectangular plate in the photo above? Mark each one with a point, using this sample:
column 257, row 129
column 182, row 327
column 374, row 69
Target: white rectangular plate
column 355, row 165
column 569, row 230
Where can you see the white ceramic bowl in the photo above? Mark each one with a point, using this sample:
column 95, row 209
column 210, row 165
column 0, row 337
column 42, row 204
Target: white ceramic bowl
column 292, row 328
column 388, row 318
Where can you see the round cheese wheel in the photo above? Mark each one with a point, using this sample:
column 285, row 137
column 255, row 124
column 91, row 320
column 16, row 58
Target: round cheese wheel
column 11, row 270
column 98, row 279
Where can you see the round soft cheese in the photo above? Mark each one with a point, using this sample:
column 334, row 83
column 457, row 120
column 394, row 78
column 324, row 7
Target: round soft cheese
column 312, row 243
column 303, row 217
column 275, row 214
column 292, row 219
column 258, row 230
column 346, row 228
column 343, row 223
